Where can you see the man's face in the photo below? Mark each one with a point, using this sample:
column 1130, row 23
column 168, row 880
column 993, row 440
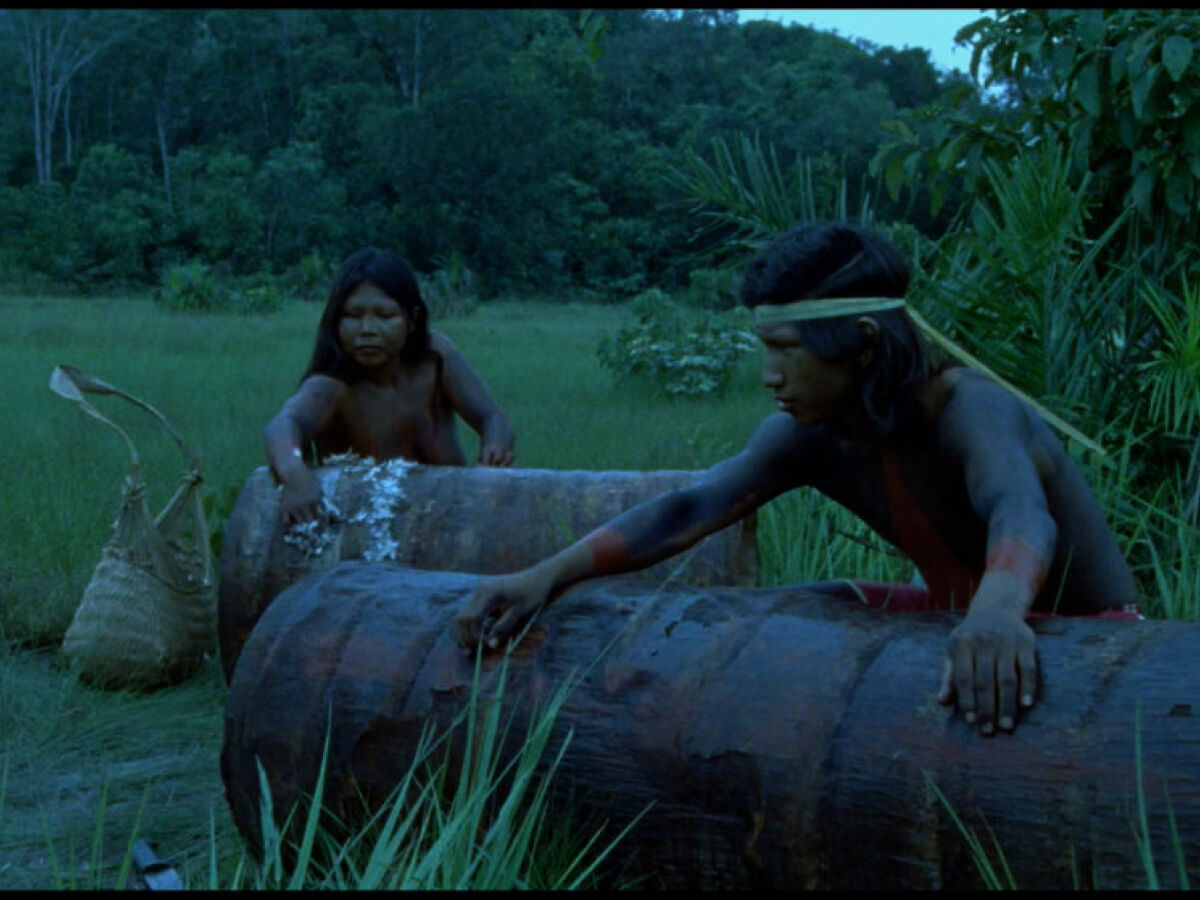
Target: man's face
column 810, row 389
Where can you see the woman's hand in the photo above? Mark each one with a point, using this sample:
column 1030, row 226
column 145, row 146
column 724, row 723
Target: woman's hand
column 301, row 499
column 991, row 666
column 498, row 605
column 493, row 453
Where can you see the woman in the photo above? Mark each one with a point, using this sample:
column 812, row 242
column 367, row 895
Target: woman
column 380, row 384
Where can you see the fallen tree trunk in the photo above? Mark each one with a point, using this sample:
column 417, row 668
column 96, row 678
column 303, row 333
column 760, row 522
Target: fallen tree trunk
column 787, row 738
column 446, row 518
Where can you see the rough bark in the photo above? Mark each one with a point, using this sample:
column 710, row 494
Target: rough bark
column 787, row 738
column 480, row 520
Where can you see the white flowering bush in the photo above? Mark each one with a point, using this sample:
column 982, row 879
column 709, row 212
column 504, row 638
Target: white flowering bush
column 678, row 350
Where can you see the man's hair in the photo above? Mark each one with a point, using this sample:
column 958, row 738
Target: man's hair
column 391, row 274
column 824, row 260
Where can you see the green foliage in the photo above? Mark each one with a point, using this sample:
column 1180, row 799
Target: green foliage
column 216, row 209
column 1019, row 286
column 995, row 876
column 299, row 202
column 196, row 287
column 1115, row 85
column 450, row 291
column 41, row 232
column 674, row 350
column 746, row 198
column 1173, row 370
column 261, row 293
column 717, row 289
column 253, row 138
column 310, row 278
column 123, row 216
column 191, row 287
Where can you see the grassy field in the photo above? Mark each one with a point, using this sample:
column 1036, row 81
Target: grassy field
column 78, row 762
column 82, row 770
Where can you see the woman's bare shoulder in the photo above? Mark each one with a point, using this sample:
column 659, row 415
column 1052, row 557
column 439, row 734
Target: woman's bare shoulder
column 440, row 343
column 319, row 385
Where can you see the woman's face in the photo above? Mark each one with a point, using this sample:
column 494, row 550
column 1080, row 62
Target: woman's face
column 813, row 391
column 373, row 328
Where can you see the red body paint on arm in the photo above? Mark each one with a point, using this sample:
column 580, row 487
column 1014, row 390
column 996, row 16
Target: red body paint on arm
column 1016, row 557
column 610, row 552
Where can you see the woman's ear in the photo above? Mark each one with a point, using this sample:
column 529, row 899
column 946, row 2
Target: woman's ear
column 870, row 329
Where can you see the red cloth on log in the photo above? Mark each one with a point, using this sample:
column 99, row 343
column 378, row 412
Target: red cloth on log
column 914, row 598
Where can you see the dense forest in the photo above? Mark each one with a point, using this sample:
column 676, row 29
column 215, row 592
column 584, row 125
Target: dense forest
column 1050, row 207
column 534, row 149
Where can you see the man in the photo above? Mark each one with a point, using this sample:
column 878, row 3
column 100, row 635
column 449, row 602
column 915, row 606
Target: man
column 959, row 473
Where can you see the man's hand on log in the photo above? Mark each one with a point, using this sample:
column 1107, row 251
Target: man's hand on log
column 497, row 606
column 990, row 667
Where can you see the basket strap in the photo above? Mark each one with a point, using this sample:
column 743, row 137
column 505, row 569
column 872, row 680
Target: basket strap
column 188, row 494
column 63, row 384
column 70, row 382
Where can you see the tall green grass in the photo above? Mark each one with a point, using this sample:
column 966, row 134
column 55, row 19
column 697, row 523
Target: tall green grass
column 993, row 868
column 487, row 826
column 88, row 771
column 219, row 378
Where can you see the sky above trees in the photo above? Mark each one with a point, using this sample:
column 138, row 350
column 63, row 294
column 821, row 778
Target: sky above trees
column 931, row 29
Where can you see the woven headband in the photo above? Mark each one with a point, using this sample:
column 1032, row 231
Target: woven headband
column 804, row 310
column 807, row 310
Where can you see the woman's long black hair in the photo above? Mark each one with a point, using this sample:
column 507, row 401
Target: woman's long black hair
column 822, row 260
column 390, row 273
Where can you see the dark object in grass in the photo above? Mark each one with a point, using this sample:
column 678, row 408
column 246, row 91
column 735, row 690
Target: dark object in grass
column 448, row 518
column 788, row 738
column 154, row 873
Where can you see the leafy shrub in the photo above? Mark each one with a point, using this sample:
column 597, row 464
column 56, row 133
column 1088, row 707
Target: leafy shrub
column 189, row 287
column 260, row 293
column 450, row 291
column 313, row 275
column 678, row 351
column 196, row 287
column 713, row 288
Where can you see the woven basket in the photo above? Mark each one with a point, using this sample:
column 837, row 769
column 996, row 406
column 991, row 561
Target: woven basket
column 148, row 616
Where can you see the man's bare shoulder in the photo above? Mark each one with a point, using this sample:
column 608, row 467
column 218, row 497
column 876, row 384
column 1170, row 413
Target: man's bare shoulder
column 978, row 408
column 781, row 443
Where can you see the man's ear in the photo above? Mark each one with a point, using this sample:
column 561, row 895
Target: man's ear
column 870, row 329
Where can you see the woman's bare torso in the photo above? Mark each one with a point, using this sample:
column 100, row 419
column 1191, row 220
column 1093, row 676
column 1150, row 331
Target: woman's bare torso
column 405, row 418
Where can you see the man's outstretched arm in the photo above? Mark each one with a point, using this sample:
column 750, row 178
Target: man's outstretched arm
column 644, row 535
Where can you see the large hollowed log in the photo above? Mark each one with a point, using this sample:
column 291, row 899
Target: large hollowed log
column 479, row 520
column 788, row 738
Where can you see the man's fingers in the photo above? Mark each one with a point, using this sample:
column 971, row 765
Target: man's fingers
column 1008, row 684
column 501, row 627
column 1027, row 675
column 946, row 690
column 964, row 681
column 468, row 623
column 985, row 690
